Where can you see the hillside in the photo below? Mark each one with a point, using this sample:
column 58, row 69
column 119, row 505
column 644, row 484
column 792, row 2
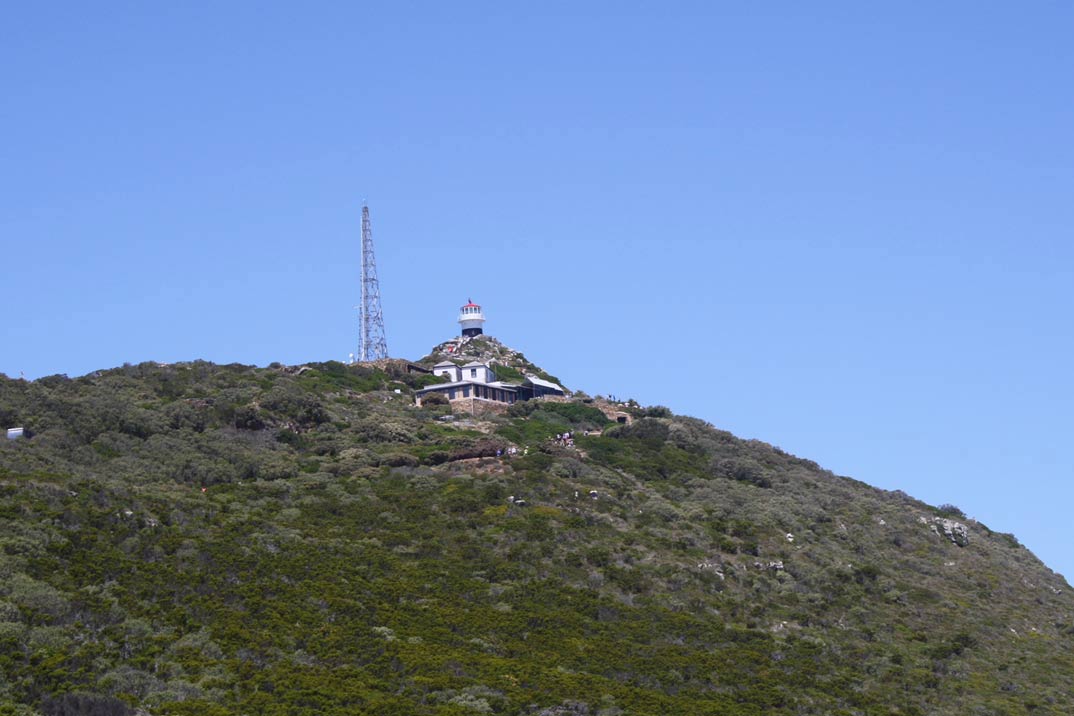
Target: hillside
column 204, row 539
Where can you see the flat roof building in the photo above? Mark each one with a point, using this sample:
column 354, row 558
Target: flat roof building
column 477, row 381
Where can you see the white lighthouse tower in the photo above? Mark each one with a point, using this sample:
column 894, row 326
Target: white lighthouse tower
column 471, row 319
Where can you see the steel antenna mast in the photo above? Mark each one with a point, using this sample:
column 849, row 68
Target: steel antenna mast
column 371, row 342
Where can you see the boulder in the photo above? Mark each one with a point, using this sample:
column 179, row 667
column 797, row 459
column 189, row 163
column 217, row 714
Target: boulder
column 954, row 531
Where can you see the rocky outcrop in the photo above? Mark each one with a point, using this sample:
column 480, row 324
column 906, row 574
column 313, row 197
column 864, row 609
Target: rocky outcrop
column 483, row 348
column 954, row 531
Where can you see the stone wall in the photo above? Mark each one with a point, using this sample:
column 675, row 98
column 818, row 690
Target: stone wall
column 478, row 406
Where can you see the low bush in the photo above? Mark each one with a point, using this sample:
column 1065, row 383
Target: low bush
column 949, row 510
column 430, row 400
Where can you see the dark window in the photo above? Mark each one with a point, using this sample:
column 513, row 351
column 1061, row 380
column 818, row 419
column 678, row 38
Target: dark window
column 473, row 372
column 451, row 394
column 466, row 391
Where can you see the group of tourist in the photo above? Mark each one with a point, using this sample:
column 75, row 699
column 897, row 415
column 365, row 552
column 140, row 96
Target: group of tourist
column 562, row 439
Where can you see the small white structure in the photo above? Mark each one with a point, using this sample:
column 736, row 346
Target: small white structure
column 471, row 319
column 15, row 433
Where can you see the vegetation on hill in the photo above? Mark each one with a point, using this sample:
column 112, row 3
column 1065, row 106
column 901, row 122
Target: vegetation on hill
column 202, row 539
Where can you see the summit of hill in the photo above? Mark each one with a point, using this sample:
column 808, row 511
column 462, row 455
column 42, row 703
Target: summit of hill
column 508, row 363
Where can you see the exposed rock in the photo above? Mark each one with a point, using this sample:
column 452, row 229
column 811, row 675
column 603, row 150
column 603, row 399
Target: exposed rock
column 715, row 567
column 776, row 566
column 954, row 531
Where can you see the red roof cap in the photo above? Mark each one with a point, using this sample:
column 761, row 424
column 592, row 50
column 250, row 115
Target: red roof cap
column 471, row 304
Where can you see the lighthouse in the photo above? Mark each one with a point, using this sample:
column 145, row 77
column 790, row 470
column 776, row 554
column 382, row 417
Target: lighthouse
column 471, row 319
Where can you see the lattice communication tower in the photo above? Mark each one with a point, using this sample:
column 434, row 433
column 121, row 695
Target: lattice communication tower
column 371, row 342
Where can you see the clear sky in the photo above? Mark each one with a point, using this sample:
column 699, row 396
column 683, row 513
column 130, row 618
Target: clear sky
column 842, row 229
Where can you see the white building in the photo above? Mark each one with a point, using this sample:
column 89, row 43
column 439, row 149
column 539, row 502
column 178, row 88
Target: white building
column 472, row 319
column 473, row 371
column 477, row 381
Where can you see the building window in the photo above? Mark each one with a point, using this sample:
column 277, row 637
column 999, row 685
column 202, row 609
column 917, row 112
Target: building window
column 466, row 391
column 473, row 372
column 451, row 394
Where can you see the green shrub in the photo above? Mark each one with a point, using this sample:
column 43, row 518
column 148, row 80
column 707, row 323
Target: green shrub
column 508, row 374
column 429, row 400
column 248, row 417
column 417, row 381
column 741, row 470
column 579, row 415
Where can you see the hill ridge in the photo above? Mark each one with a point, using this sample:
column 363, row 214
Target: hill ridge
column 214, row 539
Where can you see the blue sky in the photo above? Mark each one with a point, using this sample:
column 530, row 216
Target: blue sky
column 845, row 230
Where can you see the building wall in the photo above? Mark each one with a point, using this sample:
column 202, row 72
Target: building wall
column 470, row 323
column 472, row 406
column 478, row 374
column 479, row 391
column 452, row 373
